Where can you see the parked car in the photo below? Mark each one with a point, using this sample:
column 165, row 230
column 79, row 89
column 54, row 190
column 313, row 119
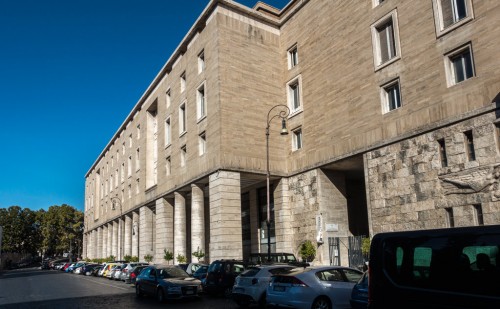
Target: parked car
column 116, row 273
column 166, row 282
column 112, row 268
column 88, row 269
column 258, row 258
column 190, row 268
column 201, row 272
column 221, row 275
column 126, row 270
column 359, row 295
column 101, row 271
column 95, row 271
column 134, row 273
column 64, row 267
column 251, row 285
column 440, row 268
column 108, row 269
column 324, row 287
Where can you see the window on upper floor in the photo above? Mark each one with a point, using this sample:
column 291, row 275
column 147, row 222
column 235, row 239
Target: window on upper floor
column 168, row 166
column 123, row 148
column 130, row 141
column 294, row 91
column 138, row 135
column 137, row 159
column 385, row 40
column 168, row 98
column 442, row 152
column 202, row 143
column 469, row 146
column 183, row 155
column 129, row 169
column 459, row 65
column 168, row 132
column 293, row 57
column 390, row 96
column 201, row 62
column 182, row 118
column 478, row 214
column 183, row 81
column 497, row 135
column 377, row 2
column 297, row 139
column 201, row 102
column 450, row 14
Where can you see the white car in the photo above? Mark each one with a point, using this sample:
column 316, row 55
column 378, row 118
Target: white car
column 251, row 285
column 323, row 287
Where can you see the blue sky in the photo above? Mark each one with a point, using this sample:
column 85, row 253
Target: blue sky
column 70, row 72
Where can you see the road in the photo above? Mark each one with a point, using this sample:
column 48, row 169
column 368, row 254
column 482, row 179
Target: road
column 35, row 288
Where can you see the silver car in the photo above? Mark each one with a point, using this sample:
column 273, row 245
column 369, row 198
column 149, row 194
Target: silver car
column 323, row 287
column 251, row 285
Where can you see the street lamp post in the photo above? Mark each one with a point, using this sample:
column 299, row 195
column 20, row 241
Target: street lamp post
column 283, row 113
column 114, row 199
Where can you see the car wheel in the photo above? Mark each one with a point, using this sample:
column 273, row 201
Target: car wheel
column 321, row 303
column 228, row 292
column 138, row 292
column 160, row 295
column 262, row 301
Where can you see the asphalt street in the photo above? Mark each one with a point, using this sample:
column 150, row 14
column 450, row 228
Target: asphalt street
column 35, row 288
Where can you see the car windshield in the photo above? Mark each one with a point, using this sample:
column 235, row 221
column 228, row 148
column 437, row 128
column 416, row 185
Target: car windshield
column 250, row 272
column 202, row 269
column 215, row 267
column 171, row 272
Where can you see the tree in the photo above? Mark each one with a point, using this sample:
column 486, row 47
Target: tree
column 181, row 258
column 148, row 258
column 199, row 254
column 127, row 258
column 168, row 256
column 307, row 251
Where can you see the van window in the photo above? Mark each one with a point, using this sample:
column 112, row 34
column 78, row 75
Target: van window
column 450, row 263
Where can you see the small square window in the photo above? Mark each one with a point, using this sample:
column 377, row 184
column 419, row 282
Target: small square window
column 391, row 96
column 183, row 82
column 385, row 38
column 297, row 139
column 201, row 62
column 183, row 155
column 293, row 57
column 202, row 143
column 459, row 65
column 294, row 95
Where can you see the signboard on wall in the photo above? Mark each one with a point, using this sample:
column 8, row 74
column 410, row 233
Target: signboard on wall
column 319, row 229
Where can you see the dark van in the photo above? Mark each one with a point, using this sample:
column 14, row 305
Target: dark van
column 443, row 268
column 221, row 275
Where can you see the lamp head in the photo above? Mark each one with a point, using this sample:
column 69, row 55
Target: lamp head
column 284, row 130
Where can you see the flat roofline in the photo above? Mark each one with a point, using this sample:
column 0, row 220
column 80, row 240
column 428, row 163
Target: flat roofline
column 277, row 21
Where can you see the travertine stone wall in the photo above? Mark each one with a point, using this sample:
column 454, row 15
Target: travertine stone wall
column 283, row 217
column 197, row 219
column 114, row 241
column 225, row 216
column 409, row 189
column 136, row 231
column 146, row 243
column 99, row 247
column 127, row 243
column 179, row 225
column 164, row 229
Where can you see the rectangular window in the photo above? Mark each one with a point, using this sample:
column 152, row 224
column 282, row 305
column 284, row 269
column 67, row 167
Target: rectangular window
column 168, row 98
column 116, row 178
column 130, row 140
column 137, row 160
column 294, row 94
column 182, row 118
column 129, row 166
column 462, row 66
column 129, row 191
column 123, row 148
column 168, row 166
column 293, row 57
column 450, row 14
column 183, row 155
column 451, row 219
column 183, row 82
column 497, row 131
column 202, row 143
column 201, row 62
column 391, row 96
column 201, row 104
column 138, row 131
column 297, row 139
column 478, row 214
column 469, row 146
column 137, row 186
column 168, row 132
column 385, row 38
column 122, row 172
column 442, row 153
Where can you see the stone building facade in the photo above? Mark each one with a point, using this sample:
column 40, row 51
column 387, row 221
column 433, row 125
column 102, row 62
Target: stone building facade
column 392, row 113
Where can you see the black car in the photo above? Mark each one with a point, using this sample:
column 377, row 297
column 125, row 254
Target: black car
column 166, row 282
column 134, row 273
column 221, row 275
column 87, row 269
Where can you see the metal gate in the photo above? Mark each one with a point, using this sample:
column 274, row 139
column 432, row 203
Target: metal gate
column 356, row 259
column 334, row 250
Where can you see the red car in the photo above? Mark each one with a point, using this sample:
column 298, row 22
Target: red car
column 65, row 266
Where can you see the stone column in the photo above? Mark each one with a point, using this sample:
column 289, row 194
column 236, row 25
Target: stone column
column 146, row 232
column 104, row 241
column 135, row 234
column 164, row 228
column 179, row 225
column 225, row 216
column 98, row 252
column 84, row 245
column 254, row 222
column 197, row 219
column 282, row 217
column 128, row 236
column 114, row 240
column 120, row 238
column 110, row 240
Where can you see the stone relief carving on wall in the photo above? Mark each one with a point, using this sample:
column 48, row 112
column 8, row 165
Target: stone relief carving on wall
column 486, row 179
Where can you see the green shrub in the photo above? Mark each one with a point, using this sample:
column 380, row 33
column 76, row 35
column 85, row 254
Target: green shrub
column 168, row 256
column 181, row 258
column 307, row 251
column 148, row 258
column 199, row 254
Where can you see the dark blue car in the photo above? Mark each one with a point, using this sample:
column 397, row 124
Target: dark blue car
column 359, row 295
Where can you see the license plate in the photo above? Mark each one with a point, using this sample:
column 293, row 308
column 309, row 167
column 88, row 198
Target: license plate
column 279, row 288
column 189, row 292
